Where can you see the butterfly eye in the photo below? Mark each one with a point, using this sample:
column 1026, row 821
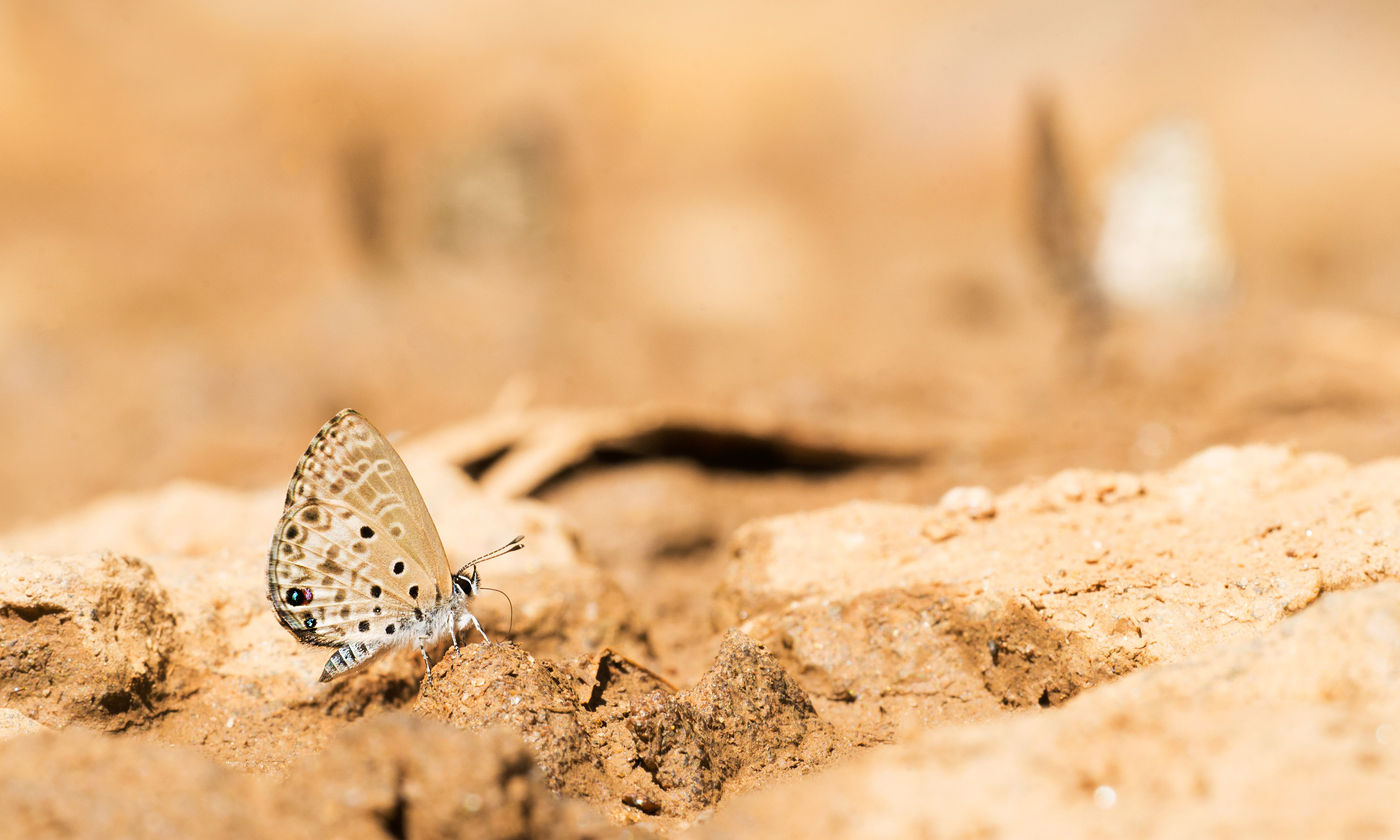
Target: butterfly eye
column 298, row 597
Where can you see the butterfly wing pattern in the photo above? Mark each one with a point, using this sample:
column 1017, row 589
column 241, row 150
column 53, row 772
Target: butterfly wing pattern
column 356, row 562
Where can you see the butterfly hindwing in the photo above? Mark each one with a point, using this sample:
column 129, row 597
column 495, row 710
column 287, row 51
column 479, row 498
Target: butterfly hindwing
column 335, row 577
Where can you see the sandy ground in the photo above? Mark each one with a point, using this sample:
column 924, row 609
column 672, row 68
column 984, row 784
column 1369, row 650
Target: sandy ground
column 878, row 475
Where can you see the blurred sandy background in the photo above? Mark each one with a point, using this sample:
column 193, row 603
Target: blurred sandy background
column 221, row 222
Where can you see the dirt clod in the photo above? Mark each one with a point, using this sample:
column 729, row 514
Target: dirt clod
column 607, row 729
column 86, row 638
column 502, row 685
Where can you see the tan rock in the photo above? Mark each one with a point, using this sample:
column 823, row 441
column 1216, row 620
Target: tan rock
column 1294, row 734
column 897, row 613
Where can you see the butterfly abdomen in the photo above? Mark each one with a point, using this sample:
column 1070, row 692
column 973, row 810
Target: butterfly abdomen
column 348, row 658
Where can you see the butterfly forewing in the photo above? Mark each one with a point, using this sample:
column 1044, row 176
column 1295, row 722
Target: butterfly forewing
column 350, row 462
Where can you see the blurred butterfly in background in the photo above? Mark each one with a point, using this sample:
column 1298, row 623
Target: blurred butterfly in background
column 356, row 563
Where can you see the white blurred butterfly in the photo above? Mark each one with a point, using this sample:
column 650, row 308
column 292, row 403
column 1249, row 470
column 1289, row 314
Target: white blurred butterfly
column 356, row 562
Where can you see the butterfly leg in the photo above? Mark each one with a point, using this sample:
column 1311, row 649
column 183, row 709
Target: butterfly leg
column 477, row 625
column 428, row 675
column 455, row 619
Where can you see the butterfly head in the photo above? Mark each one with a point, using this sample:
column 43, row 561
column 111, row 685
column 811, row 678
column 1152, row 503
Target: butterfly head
column 467, row 582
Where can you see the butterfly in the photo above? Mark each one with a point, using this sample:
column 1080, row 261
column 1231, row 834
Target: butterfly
column 356, row 563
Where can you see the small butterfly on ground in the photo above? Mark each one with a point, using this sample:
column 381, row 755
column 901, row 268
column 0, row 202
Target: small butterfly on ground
column 356, row 563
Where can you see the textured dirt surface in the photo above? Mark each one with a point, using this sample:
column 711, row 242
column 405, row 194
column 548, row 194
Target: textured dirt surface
column 862, row 495
column 1091, row 646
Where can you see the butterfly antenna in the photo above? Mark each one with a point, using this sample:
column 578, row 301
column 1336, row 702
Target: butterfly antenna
column 511, row 626
column 513, row 545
